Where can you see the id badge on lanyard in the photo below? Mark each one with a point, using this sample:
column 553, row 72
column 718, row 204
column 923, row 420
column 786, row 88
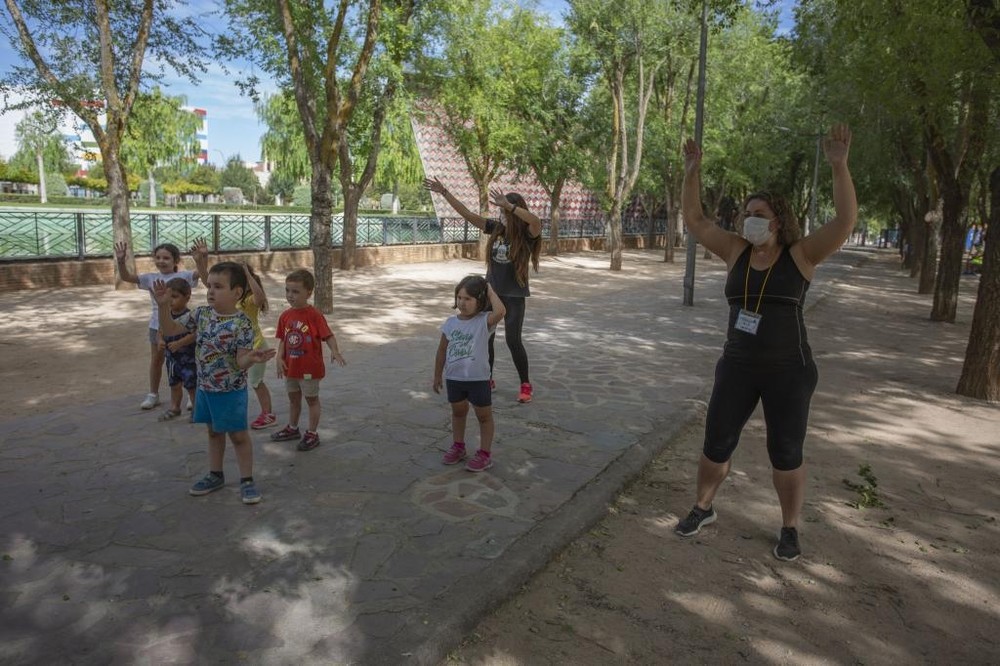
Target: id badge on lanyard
column 749, row 321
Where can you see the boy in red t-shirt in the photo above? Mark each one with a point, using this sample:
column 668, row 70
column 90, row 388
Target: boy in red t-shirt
column 302, row 330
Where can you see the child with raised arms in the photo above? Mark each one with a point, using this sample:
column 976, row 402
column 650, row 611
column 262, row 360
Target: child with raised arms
column 462, row 364
column 182, row 369
column 167, row 259
column 302, row 332
column 224, row 350
column 253, row 304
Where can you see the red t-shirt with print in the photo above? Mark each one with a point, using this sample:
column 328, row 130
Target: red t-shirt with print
column 303, row 331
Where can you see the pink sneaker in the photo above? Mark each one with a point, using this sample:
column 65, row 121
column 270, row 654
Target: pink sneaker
column 525, row 395
column 265, row 420
column 480, row 462
column 455, row 454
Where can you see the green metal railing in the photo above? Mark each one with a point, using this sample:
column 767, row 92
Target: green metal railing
column 53, row 234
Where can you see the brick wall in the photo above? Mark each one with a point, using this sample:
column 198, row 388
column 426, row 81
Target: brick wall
column 17, row 275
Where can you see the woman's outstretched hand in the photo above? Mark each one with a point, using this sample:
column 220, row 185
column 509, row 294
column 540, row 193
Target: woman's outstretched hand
column 837, row 144
column 692, row 157
column 435, row 185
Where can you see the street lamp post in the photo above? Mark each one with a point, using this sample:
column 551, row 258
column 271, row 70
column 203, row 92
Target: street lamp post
column 699, row 126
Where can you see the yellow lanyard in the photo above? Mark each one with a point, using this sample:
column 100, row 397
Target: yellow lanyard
column 746, row 283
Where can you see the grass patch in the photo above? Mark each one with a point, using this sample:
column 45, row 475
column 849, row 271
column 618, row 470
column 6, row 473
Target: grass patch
column 867, row 490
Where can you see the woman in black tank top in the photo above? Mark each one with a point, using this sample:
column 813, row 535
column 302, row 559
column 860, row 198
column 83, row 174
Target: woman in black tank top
column 766, row 357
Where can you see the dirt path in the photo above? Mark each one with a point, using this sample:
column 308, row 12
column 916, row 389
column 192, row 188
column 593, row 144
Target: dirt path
column 916, row 580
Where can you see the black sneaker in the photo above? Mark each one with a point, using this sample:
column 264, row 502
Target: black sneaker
column 285, row 434
column 695, row 520
column 309, row 441
column 788, row 545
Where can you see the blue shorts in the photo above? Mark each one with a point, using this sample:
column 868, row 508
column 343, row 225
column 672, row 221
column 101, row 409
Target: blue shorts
column 478, row 393
column 223, row 411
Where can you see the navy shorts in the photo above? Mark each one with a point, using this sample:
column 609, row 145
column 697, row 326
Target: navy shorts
column 478, row 393
column 182, row 369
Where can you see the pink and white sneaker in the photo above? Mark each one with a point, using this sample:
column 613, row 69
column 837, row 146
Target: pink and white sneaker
column 265, row 420
column 480, row 462
column 455, row 454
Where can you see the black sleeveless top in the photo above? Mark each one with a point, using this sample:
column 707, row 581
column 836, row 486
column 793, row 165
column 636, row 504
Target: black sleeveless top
column 501, row 273
column 781, row 334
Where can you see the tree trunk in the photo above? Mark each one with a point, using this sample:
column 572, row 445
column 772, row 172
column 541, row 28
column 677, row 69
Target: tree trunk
column 952, row 248
column 672, row 215
column 981, row 370
column 121, row 223
column 152, row 190
column 615, row 234
column 929, row 252
column 555, row 199
column 349, row 249
column 43, row 196
column 917, row 246
column 320, row 219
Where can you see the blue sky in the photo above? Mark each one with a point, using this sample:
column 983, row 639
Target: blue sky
column 232, row 125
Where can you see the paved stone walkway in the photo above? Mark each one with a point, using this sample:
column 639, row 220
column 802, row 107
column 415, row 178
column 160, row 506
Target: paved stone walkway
column 366, row 550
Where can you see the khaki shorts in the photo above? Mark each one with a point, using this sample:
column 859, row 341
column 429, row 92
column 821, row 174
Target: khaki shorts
column 308, row 387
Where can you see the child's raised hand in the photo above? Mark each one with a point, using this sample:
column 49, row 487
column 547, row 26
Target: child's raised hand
column 161, row 293
column 199, row 249
column 121, row 249
column 338, row 358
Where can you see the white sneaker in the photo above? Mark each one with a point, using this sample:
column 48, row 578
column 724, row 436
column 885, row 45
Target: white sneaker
column 152, row 400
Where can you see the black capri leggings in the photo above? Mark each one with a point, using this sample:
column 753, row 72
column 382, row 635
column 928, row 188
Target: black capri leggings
column 785, row 393
column 513, row 321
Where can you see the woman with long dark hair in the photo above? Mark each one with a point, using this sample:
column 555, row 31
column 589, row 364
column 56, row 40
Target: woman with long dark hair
column 514, row 244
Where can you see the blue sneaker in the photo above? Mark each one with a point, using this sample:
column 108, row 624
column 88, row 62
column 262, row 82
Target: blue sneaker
column 249, row 492
column 210, row 483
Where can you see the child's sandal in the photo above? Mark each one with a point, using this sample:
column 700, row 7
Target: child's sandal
column 169, row 415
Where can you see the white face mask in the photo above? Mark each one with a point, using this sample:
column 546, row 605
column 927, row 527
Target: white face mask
column 757, row 230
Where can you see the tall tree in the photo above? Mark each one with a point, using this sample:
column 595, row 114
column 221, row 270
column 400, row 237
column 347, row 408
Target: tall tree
column 623, row 37
column 89, row 56
column 36, row 135
column 938, row 79
column 981, row 371
column 930, row 65
column 549, row 81
column 325, row 56
column 159, row 132
column 470, row 96
column 283, row 142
